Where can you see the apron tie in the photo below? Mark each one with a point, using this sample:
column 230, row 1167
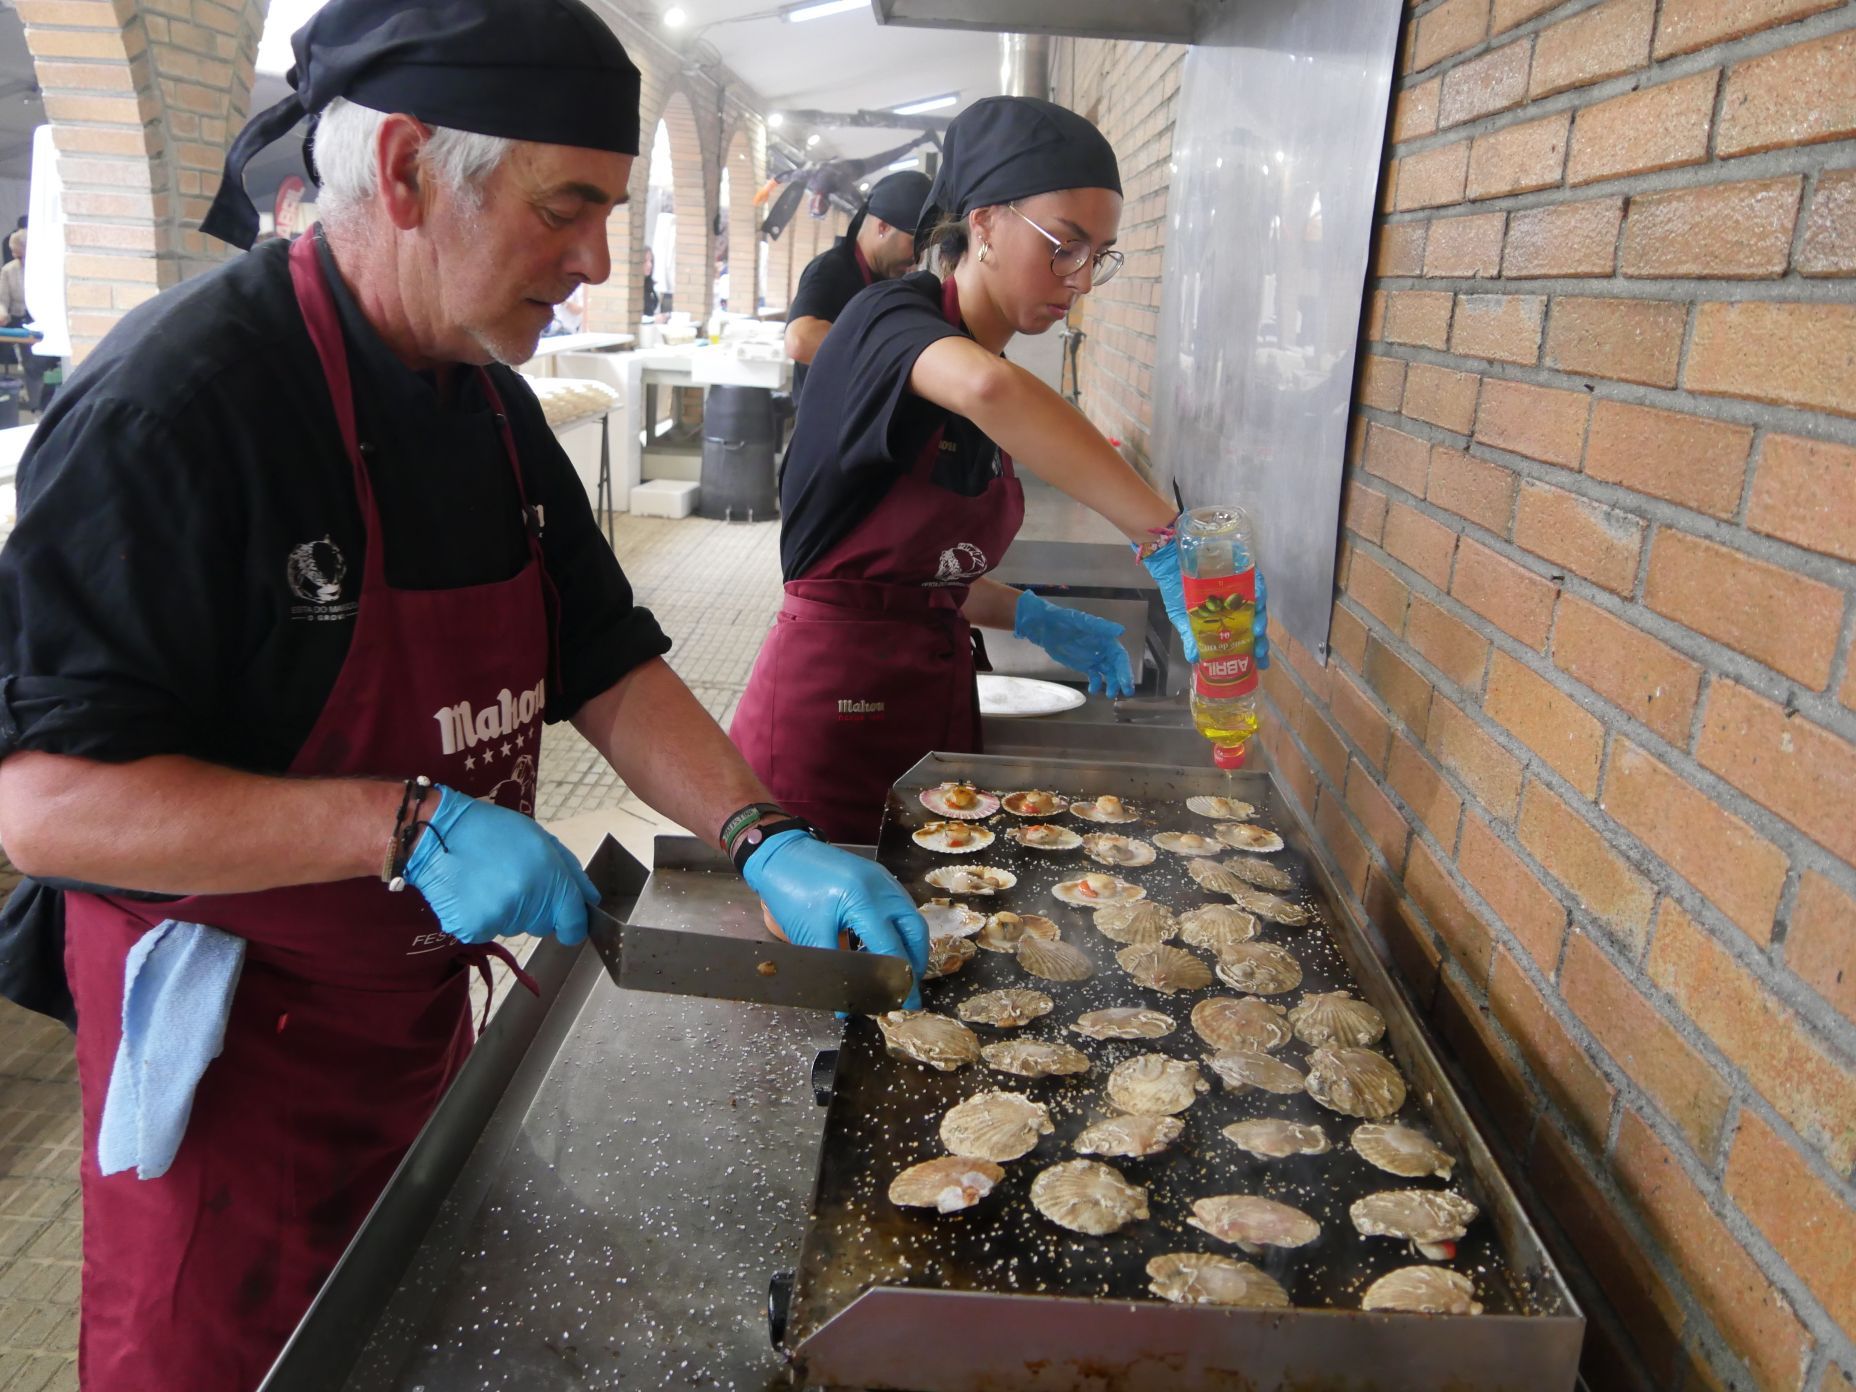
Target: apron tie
column 479, row 955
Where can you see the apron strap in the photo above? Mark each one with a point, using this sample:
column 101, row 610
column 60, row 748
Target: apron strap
column 479, row 956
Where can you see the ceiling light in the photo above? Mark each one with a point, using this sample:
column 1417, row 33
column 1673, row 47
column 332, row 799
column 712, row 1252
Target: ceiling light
column 1279, row 157
column 675, row 17
column 811, row 140
column 927, row 104
column 864, row 187
column 819, row 9
column 777, row 119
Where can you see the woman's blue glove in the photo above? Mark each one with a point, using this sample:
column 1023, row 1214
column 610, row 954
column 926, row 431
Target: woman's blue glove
column 488, row 872
column 814, row 891
column 1163, row 565
column 1081, row 642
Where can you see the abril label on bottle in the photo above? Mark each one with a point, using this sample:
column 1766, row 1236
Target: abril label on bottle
column 1221, row 611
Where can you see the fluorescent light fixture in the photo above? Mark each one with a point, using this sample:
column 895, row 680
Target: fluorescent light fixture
column 811, row 140
column 676, row 17
column 776, row 120
column 927, row 104
column 819, row 9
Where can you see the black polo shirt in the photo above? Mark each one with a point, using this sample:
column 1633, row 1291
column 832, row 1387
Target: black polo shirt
column 825, row 288
column 189, row 547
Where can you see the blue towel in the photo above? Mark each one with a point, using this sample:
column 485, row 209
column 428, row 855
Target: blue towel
column 176, row 996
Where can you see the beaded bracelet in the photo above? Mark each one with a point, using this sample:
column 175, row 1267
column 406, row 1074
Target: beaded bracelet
column 406, row 829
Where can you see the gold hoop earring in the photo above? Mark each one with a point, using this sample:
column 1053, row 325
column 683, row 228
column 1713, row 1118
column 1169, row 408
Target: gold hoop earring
column 985, row 251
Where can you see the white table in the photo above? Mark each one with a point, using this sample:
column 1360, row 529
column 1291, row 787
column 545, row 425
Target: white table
column 582, row 343
column 688, row 365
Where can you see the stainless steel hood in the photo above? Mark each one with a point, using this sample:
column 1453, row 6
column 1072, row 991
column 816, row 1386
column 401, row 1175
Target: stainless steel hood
column 1161, row 21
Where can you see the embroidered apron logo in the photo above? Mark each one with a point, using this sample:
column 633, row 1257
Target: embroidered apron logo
column 460, row 727
column 959, row 564
column 315, row 571
column 860, row 710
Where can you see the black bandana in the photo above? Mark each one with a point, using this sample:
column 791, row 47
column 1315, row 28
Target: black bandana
column 1005, row 148
column 896, row 200
column 548, row 71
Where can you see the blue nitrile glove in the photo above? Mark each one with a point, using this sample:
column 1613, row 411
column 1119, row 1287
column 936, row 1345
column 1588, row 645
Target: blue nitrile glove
column 1163, row 564
column 814, row 891
column 1260, row 625
column 489, row 872
column 1081, row 642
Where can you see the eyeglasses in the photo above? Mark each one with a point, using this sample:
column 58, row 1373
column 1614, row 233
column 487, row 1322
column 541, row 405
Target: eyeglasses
column 1067, row 258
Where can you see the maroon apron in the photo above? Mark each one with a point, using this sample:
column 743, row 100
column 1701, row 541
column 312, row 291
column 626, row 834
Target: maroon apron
column 870, row 663
column 352, row 1013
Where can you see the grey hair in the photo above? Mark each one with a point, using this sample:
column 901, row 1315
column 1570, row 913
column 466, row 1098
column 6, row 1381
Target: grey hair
column 346, row 136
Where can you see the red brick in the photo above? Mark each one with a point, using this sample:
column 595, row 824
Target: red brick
column 1465, row 246
column 1287, row 758
column 1441, row 396
column 1437, row 896
column 1754, row 1318
column 1316, row 676
column 1496, row 1084
column 1532, row 912
column 1691, row 24
column 1414, row 112
column 1347, row 638
column 1432, row 178
column 1606, row 41
column 1421, row 788
column 1406, row 694
column 1324, row 745
column 1342, row 842
column 1791, row 354
column 1283, row 693
column 1385, row 828
column 1796, row 96
column 1382, row 382
column 1820, row 945
column 1378, row 591
column 1413, row 955
column 1512, row 598
column 1398, row 249
column 1628, row 340
column 1503, row 327
column 1542, row 423
column 1635, row 672
column 1508, row 13
column 1566, row 239
column 1517, row 159
column 1376, row 316
column 1771, row 614
column 1424, row 545
column 1828, row 246
column 1741, row 230
column 1597, row 542
column 1420, row 317
column 1398, row 458
column 1576, row 1088
column 1472, row 488
column 1452, row 647
column 1491, row 773
column 1364, row 511
column 1571, row 850
column 1799, row 770
column 1494, row 82
column 1546, row 721
column 1448, row 28
column 1659, row 127
column 1801, row 1216
column 1690, row 460
column 1805, row 492
column 1355, row 713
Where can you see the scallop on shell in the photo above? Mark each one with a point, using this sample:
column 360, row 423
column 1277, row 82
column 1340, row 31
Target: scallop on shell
column 1259, row 872
column 1108, row 848
column 952, row 838
column 1221, row 808
column 1133, row 1136
column 1266, row 905
column 1253, row 1223
column 1247, row 836
column 1400, row 1150
column 1216, row 927
column 1430, row 1219
column 959, row 800
column 1189, row 843
column 995, row 1126
column 947, row 954
column 1203, row 1278
column 1138, row 924
column 1006, row 1009
column 1241, row 1022
column 1336, row 1018
column 1034, row 1058
column 1053, row 959
column 929, row 1038
column 946, row 1185
column 1124, row 1022
column 1003, row 931
column 1271, row 1138
column 1212, row 877
column 1092, row 890
column 947, row 920
column 1087, row 1196
column 1423, row 1290
column 1155, row 1085
column 971, row 879
column 1034, row 802
column 1043, row 836
column 1165, row 968
column 1263, row 969
column 1106, row 808
column 1243, row 1069
column 1355, row 1082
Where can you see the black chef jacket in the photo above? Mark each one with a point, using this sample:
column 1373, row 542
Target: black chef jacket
column 189, row 548
column 825, row 288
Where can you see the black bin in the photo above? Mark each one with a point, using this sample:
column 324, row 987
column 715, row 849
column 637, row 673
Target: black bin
column 10, row 394
column 740, row 440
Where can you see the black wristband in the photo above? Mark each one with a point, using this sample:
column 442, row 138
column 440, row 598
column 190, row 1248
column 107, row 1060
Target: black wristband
column 755, row 837
column 744, row 817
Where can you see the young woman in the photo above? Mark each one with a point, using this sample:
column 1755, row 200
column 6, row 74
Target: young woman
column 898, row 493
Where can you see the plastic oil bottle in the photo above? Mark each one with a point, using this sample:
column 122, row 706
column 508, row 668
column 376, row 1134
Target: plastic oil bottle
column 1217, row 563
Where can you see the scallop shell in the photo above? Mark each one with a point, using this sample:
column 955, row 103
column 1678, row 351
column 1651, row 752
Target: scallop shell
column 1216, row 927
column 1271, row 1138
column 1203, row 1278
column 1132, row 1136
column 1092, row 891
column 947, row 954
column 1108, row 848
column 1138, row 924
column 971, row 879
column 1400, row 1150
column 946, row 1185
column 1087, row 1196
column 1054, row 960
column 1336, row 1018
column 1042, row 836
column 1423, row 1290
column 1124, row 1022
column 952, row 838
column 1155, row 1085
column 1266, row 905
column 1189, row 843
column 1241, row 1022
column 1430, row 1219
column 947, row 920
column 961, row 801
column 1163, row 967
column 1252, row 1222
column 1263, row 969
column 1355, row 1082
column 1214, row 878
column 1246, row 836
column 1034, row 1058
column 1259, row 872
column 929, row 1038
column 995, row 1126
column 1106, row 808
column 1242, row 1069
column 1034, row 802
column 1006, row 1009
column 1221, row 808
column 1003, row 930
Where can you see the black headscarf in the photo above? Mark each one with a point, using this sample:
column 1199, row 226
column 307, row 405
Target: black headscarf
column 548, row 71
column 896, row 200
column 1005, row 148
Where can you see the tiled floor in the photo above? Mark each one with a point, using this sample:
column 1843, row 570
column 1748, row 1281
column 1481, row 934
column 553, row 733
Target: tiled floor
column 713, row 586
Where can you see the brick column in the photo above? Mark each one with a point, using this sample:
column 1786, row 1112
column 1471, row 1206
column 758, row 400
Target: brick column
column 747, row 171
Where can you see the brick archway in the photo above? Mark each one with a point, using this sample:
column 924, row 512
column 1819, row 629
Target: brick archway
column 747, row 170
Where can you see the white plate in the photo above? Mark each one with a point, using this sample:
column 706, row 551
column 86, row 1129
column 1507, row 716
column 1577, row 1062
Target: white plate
column 1020, row 696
